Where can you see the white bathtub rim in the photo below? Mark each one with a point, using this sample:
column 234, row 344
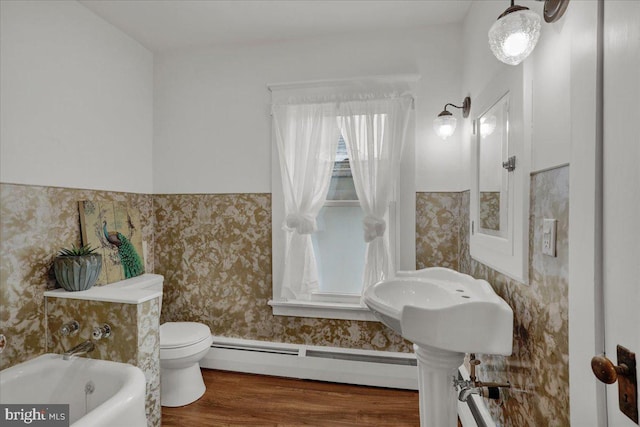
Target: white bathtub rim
column 133, row 389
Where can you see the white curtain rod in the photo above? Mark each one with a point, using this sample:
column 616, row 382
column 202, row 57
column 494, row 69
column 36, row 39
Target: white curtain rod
column 395, row 78
column 413, row 103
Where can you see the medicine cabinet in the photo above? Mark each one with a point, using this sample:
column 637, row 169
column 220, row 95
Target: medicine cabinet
column 500, row 165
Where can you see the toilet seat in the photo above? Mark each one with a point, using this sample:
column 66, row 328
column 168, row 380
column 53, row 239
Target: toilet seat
column 183, row 339
column 182, row 334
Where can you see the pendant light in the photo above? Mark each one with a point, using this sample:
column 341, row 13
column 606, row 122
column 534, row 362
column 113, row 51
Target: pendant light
column 515, row 34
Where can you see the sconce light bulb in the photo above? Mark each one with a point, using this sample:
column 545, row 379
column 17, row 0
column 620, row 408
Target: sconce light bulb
column 514, row 35
column 515, row 44
column 444, row 126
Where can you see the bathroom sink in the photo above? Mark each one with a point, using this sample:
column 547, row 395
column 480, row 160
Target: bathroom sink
column 443, row 309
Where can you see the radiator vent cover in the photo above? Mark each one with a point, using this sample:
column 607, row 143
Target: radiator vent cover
column 258, row 348
column 363, row 358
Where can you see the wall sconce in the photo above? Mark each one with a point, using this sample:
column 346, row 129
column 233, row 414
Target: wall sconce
column 515, row 34
column 445, row 123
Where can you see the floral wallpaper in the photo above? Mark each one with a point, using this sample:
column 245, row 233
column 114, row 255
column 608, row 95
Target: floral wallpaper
column 134, row 337
column 35, row 222
column 148, row 356
column 214, row 252
column 490, row 210
column 438, row 229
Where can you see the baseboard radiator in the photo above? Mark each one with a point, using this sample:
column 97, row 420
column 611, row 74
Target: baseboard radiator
column 333, row 364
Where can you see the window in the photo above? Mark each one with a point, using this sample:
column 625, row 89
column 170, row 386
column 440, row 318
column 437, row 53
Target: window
column 320, row 273
column 338, row 243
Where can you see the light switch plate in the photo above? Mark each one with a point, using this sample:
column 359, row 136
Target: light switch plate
column 549, row 236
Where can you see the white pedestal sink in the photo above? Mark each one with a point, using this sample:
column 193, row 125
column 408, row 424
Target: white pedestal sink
column 445, row 314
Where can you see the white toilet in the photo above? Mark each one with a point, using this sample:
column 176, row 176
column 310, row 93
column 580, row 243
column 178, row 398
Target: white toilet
column 182, row 346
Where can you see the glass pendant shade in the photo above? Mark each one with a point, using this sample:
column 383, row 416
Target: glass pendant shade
column 444, row 125
column 514, row 35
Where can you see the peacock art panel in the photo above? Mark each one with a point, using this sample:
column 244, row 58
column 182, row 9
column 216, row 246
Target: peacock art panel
column 114, row 229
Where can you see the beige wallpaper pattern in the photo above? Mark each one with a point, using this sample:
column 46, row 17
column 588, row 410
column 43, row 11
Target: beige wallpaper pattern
column 148, row 356
column 490, row 210
column 134, row 337
column 215, row 254
column 35, row 222
column 438, row 230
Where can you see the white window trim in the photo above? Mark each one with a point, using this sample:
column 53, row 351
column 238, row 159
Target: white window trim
column 401, row 242
column 322, row 310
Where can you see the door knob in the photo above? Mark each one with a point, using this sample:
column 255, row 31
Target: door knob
column 625, row 374
column 606, row 371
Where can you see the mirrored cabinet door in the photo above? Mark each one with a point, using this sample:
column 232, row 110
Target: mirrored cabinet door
column 500, row 176
column 493, row 180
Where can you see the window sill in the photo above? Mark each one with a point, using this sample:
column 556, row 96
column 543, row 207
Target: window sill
column 322, row 310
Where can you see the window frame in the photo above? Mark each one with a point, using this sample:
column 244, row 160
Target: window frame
column 400, row 232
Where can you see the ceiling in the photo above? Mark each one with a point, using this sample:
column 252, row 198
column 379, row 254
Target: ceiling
column 163, row 25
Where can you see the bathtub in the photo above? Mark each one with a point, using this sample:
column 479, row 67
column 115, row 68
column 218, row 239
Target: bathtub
column 99, row 393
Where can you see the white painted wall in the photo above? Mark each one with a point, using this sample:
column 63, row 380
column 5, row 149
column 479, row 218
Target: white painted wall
column 76, row 100
column 212, row 122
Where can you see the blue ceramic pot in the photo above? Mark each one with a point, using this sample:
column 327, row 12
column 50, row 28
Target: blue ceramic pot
column 77, row 273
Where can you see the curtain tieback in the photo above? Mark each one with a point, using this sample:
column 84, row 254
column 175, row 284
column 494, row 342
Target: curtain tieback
column 302, row 224
column 373, row 228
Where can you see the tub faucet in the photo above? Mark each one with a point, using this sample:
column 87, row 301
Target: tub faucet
column 80, row 349
column 490, row 390
column 467, row 391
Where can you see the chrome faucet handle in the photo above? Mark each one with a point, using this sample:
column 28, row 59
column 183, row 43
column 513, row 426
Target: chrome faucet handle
column 100, row 332
column 70, row 328
column 3, row 342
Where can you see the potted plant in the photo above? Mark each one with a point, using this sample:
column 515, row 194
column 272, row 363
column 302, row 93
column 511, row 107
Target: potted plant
column 77, row 269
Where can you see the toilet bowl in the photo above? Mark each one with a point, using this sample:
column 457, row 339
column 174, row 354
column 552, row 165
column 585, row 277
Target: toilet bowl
column 182, row 346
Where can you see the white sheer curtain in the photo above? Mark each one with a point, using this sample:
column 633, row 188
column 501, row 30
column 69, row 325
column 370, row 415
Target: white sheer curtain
column 306, row 137
column 374, row 132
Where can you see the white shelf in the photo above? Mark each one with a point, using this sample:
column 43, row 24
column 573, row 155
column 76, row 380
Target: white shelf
column 131, row 291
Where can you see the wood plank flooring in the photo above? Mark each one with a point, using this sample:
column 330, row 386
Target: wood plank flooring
column 238, row 399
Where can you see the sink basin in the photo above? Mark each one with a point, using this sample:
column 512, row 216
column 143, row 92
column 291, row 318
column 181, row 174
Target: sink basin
column 445, row 314
column 444, row 309
column 99, row 393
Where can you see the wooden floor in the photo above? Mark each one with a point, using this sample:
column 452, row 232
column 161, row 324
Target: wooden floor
column 237, row 399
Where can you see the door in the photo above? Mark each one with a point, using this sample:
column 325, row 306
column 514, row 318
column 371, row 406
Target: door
column 621, row 188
